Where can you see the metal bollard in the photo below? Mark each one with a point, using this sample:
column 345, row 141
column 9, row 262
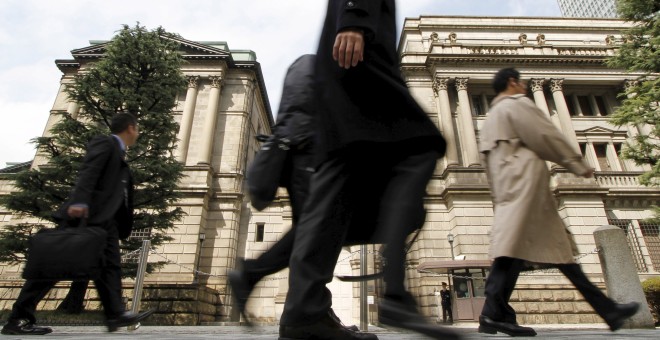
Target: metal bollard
column 139, row 280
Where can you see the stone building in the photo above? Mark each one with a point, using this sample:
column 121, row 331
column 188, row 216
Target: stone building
column 448, row 63
column 223, row 109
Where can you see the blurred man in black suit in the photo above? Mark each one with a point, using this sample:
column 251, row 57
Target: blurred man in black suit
column 103, row 196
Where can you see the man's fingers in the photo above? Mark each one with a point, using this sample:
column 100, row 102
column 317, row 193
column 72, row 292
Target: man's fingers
column 348, row 49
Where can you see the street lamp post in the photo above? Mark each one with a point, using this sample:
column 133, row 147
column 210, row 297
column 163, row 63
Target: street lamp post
column 450, row 239
column 202, row 237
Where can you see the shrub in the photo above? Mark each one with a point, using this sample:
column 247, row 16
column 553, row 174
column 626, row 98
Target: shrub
column 651, row 288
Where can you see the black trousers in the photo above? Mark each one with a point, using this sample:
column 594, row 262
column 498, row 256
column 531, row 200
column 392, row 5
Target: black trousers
column 277, row 256
column 447, row 313
column 108, row 285
column 325, row 220
column 502, row 279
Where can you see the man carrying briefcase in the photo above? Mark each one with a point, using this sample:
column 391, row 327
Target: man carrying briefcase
column 103, row 196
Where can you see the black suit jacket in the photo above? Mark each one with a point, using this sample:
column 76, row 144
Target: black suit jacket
column 369, row 103
column 105, row 185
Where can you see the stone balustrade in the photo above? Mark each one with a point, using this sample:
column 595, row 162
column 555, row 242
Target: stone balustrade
column 611, row 179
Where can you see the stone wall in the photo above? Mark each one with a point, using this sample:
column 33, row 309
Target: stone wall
column 175, row 304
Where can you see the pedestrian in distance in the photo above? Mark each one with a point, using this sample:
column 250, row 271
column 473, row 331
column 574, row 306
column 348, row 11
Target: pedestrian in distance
column 376, row 152
column 294, row 125
column 103, row 195
column 445, row 300
column 517, row 139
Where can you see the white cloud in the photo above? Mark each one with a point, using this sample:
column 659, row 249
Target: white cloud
column 33, row 33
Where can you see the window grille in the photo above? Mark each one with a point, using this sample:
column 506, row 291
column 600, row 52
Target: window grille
column 651, row 234
column 136, row 235
column 633, row 243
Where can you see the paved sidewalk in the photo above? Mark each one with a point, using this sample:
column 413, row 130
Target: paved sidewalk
column 562, row 332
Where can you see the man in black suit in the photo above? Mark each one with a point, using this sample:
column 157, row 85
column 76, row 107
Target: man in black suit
column 294, row 120
column 445, row 297
column 377, row 150
column 103, row 196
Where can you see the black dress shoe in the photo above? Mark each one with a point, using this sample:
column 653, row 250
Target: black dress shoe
column 398, row 314
column 127, row 319
column 334, row 316
column 325, row 329
column 24, row 327
column 622, row 312
column 242, row 288
column 490, row 326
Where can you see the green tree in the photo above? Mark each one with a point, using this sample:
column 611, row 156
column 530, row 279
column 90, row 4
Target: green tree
column 639, row 53
column 140, row 72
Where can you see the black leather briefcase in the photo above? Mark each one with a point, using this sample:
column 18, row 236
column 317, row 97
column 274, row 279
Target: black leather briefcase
column 66, row 253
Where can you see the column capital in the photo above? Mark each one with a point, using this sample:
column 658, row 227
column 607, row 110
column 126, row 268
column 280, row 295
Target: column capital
column 216, row 81
column 192, row 81
column 536, row 84
column 556, row 85
column 461, row 84
column 440, row 84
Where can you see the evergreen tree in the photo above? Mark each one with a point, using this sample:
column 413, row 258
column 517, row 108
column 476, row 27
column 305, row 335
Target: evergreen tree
column 139, row 73
column 640, row 52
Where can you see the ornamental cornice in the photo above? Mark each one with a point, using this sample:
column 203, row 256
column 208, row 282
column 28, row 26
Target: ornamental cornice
column 513, row 59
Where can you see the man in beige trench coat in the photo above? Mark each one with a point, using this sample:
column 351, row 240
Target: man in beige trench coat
column 516, row 141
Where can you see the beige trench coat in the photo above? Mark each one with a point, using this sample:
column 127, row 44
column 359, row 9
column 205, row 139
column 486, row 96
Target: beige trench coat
column 516, row 140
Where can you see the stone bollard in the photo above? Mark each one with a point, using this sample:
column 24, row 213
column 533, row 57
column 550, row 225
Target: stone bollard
column 620, row 273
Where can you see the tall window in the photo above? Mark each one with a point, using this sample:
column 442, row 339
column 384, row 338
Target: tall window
column 585, row 107
column 477, row 106
column 259, row 233
column 601, row 155
column 600, row 102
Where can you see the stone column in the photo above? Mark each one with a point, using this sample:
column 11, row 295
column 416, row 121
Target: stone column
column 539, row 98
column 594, row 105
column 590, row 155
column 445, row 118
column 575, row 101
column 186, row 119
column 643, row 129
column 562, row 110
column 613, row 158
column 468, row 136
column 208, row 131
column 73, row 109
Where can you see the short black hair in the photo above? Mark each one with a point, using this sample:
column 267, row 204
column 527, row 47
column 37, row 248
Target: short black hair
column 502, row 78
column 121, row 121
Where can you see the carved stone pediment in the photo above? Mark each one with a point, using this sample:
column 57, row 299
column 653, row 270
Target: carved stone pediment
column 603, row 131
column 190, row 49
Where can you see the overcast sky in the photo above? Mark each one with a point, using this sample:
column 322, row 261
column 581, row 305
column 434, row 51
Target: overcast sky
column 33, row 33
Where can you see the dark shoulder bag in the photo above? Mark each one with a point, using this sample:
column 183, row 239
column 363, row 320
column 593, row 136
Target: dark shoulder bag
column 266, row 172
column 66, row 253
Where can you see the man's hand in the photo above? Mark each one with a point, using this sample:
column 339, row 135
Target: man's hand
column 78, row 211
column 349, row 48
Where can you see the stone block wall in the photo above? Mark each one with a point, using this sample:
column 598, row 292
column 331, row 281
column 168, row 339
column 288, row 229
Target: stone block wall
column 175, row 304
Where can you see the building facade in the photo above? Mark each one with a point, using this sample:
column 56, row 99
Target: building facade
column 448, row 63
column 588, row 8
column 223, row 109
